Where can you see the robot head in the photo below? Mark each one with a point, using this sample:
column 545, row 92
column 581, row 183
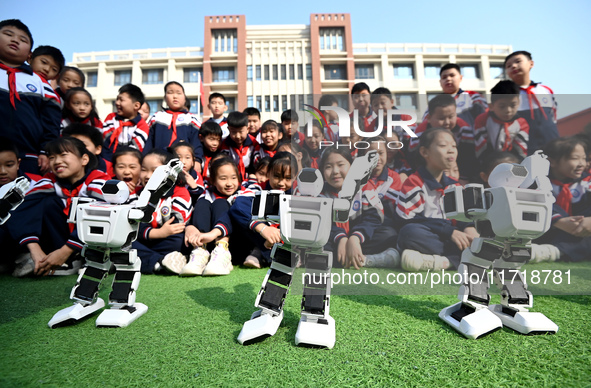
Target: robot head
column 507, row 174
column 310, row 182
column 115, row 191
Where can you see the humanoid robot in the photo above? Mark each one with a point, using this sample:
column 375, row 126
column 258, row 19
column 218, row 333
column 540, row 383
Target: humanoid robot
column 108, row 229
column 12, row 195
column 516, row 209
column 305, row 223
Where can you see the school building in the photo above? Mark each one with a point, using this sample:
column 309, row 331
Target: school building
column 276, row 67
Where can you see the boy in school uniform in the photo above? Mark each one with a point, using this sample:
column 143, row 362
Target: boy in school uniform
column 270, row 135
column 29, row 107
column 361, row 103
column 217, row 105
column 290, row 122
column 254, row 121
column 239, row 144
column 47, row 61
column 210, row 136
column 93, row 140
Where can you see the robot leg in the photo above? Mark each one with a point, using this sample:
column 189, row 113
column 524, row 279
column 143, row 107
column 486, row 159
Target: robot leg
column 270, row 299
column 316, row 327
column 85, row 292
column 515, row 298
column 123, row 309
column 470, row 316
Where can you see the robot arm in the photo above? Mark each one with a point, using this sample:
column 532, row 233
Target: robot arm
column 531, row 173
column 11, row 196
column 358, row 175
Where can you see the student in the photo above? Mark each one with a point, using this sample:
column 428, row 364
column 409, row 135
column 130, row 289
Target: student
column 160, row 242
column 270, row 134
column 301, row 155
column 79, row 108
column 211, row 206
column 217, row 106
column 127, row 167
column 312, row 144
column 538, row 106
column 47, row 61
column 500, row 128
column 239, row 144
column 360, row 96
column 210, row 136
column 261, row 169
column 186, row 154
column 48, row 205
column 125, row 127
column 93, row 140
column 331, row 131
column 145, row 112
column 29, row 107
column 290, row 122
column 396, row 160
column 254, row 121
column 426, row 238
column 70, row 77
column 569, row 238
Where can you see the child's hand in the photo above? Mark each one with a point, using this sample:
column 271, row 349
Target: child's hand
column 584, row 228
column 43, row 161
column 569, row 224
column 191, row 236
column 190, row 180
column 208, row 237
column 37, row 253
column 271, row 235
column 354, row 252
column 342, row 251
column 131, row 185
column 461, row 239
column 197, row 167
column 47, row 265
column 472, row 233
column 168, row 229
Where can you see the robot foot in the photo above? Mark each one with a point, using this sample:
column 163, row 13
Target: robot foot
column 470, row 322
column 75, row 313
column 260, row 326
column 524, row 322
column 121, row 317
column 316, row 332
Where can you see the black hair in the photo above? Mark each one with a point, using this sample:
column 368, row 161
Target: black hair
column 281, row 162
column 148, row 105
column 289, row 115
column 449, row 66
column 7, row 145
column 126, row 150
column 217, row 163
column 262, row 163
column 18, row 24
column 237, row 120
column 381, row 92
column 74, row 146
column 495, row 158
column 166, row 157
column 359, row 87
column 295, row 148
column 516, row 53
column 252, row 111
column 181, row 143
column 562, row 147
column 76, row 70
column 67, row 112
column 270, row 124
column 89, row 131
column 504, row 89
column 217, row 95
column 327, row 100
column 210, row 127
column 134, row 92
column 52, row 52
column 441, row 101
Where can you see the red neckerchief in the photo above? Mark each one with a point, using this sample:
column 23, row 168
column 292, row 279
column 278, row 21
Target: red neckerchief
column 117, row 131
column 11, row 71
column 175, row 115
column 241, row 151
column 565, row 197
column 532, row 96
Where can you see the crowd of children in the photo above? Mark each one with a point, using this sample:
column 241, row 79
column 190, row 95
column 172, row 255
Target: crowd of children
column 55, row 138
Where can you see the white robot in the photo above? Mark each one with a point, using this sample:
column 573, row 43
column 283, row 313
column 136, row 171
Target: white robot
column 305, row 224
column 12, row 195
column 516, row 209
column 108, row 229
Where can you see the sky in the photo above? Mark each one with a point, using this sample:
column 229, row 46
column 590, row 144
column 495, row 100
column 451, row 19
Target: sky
column 558, row 34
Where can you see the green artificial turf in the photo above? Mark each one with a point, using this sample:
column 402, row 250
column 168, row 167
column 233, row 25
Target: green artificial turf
column 188, row 338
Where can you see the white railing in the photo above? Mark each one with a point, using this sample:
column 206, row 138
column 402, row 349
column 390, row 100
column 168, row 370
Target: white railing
column 431, row 48
column 128, row 55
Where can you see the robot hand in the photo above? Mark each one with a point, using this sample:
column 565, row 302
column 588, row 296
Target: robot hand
column 11, row 196
column 358, row 175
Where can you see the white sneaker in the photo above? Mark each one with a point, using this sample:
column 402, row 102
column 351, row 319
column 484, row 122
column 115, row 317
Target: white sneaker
column 220, row 263
column 390, row 258
column 544, row 252
column 414, row 261
column 24, row 265
column 197, row 262
column 174, row 262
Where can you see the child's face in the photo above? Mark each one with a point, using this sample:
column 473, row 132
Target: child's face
column 211, row 142
column 391, row 152
column 270, row 137
column 450, row 81
column 505, row 108
column 186, row 156
column 442, row 153
column 126, row 107
column 226, row 180
column 238, row 135
column 150, row 163
column 361, row 100
column 331, row 115
column 382, row 102
column 127, row 169
column 453, row 172
column 80, row 105
column 261, row 175
column 443, row 117
column 69, row 80
column 335, row 170
column 45, row 66
column 313, row 142
column 518, row 67
column 145, row 111
column 254, row 124
column 89, row 144
column 382, row 157
column 68, row 166
column 280, row 180
column 571, row 166
column 15, row 46
column 287, row 125
column 217, row 107
column 175, row 97
column 9, row 163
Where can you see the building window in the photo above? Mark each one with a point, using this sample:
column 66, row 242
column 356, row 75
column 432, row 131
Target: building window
column 259, row 103
column 223, row 74
column 154, row 106
column 266, row 69
column 275, row 103
column 292, row 71
column 364, row 72
column 497, row 72
column 258, row 72
column 308, row 72
column 283, row 102
column 342, row 101
column 225, row 41
column 283, row 72
column 335, row 72
column 250, row 101
column 122, row 77
column 249, row 73
column 331, row 38
column 267, row 103
column 152, row 76
column 91, row 79
column 404, row 72
column 275, row 72
column 192, row 75
column 292, row 104
column 193, row 106
column 231, row 104
column 432, row 71
column 470, row 71
column 300, row 101
column 406, row 101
